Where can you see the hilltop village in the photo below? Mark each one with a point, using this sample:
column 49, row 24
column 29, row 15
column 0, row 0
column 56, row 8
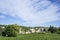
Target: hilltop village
column 27, row 30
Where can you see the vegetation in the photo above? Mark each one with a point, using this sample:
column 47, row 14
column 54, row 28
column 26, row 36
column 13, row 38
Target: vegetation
column 11, row 31
column 52, row 29
column 33, row 37
column 58, row 32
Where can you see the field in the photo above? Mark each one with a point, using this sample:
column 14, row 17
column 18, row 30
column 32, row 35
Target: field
column 33, row 37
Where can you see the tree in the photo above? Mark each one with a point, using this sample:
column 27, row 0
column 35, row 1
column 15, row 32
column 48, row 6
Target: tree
column 44, row 30
column 12, row 30
column 3, row 33
column 52, row 29
column 2, row 28
column 58, row 31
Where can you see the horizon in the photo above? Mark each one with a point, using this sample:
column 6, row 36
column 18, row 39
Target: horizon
column 30, row 12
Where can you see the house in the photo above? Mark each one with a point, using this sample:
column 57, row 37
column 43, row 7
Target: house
column 33, row 30
column 28, row 32
column 21, row 32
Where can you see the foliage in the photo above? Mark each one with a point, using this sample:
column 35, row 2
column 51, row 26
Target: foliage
column 52, row 29
column 3, row 33
column 1, row 29
column 24, row 29
column 44, row 30
column 58, row 31
column 11, row 30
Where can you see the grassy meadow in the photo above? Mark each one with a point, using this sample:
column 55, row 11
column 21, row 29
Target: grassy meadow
column 33, row 37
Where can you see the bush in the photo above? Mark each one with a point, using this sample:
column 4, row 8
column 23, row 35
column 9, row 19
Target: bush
column 4, row 33
column 52, row 29
column 58, row 32
column 11, row 31
column 14, row 34
column 42, row 33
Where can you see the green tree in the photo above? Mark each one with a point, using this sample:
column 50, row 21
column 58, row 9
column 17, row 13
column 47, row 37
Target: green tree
column 52, row 29
column 58, row 31
column 44, row 30
column 2, row 28
column 3, row 33
column 12, row 30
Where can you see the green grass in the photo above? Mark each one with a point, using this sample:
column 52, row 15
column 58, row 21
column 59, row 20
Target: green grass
column 33, row 37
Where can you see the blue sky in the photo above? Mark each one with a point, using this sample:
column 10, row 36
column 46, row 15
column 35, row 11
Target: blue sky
column 30, row 12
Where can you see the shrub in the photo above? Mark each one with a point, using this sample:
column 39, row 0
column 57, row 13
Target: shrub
column 3, row 33
column 11, row 31
column 58, row 32
column 52, row 29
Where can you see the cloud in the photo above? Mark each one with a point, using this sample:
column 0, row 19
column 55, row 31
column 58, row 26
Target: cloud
column 33, row 12
column 2, row 16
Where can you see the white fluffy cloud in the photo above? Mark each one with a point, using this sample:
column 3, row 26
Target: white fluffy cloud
column 33, row 12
